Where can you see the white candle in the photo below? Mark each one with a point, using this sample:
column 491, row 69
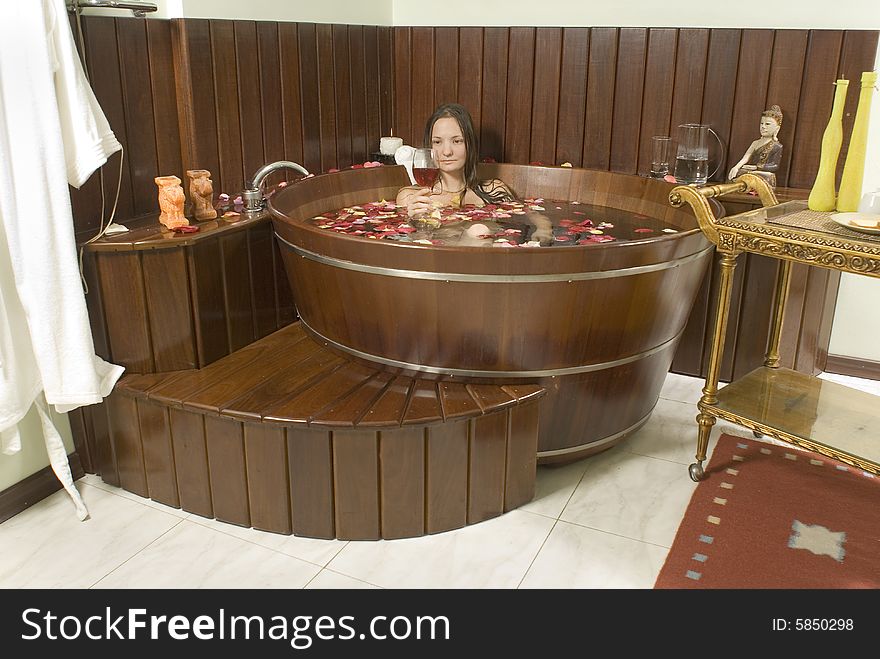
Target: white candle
column 388, row 145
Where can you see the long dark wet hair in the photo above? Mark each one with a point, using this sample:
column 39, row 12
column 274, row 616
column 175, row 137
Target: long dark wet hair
column 490, row 191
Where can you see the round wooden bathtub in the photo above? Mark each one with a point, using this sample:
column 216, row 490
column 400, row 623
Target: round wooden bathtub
column 596, row 325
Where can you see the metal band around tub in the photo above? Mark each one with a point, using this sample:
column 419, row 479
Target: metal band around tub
column 437, row 370
column 490, row 279
column 552, row 453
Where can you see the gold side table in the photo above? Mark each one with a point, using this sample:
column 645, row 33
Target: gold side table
column 821, row 416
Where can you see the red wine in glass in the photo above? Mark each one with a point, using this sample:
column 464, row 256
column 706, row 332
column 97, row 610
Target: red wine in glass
column 424, row 168
column 426, row 176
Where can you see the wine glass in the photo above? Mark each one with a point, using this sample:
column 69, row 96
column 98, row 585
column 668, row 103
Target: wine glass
column 425, row 170
column 426, row 174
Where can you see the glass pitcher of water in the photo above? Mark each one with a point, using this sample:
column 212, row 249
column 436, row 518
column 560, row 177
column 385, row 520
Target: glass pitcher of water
column 692, row 159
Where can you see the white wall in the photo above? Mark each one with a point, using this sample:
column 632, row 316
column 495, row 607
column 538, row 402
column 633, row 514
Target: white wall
column 32, row 457
column 859, row 14
column 353, row 12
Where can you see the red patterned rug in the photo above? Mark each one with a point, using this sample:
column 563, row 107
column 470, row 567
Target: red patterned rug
column 769, row 516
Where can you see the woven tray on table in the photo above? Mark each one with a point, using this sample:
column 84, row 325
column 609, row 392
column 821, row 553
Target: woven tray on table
column 820, row 221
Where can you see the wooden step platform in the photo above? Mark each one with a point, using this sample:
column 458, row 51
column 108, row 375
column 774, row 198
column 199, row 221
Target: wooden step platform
column 285, row 435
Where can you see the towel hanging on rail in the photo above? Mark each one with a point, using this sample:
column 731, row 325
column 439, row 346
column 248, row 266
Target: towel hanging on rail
column 55, row 133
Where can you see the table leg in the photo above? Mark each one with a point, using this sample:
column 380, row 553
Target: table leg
column 710, row 390
column 781, row 295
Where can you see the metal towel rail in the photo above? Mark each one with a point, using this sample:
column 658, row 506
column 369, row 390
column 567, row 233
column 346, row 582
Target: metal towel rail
column 139, row 9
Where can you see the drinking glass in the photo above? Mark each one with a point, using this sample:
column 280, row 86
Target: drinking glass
column 426, row 174
column 660, row 156
column 424, row 166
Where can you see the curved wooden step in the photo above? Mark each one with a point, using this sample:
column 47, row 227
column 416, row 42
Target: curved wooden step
column 286, row 436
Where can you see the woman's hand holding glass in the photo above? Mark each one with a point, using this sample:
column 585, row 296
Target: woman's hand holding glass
column 426, row 174
column 418, row 202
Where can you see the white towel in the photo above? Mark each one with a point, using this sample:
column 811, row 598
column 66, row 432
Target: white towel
column 404, row 156
column 86, row 134
column 19, row 375
column 51, row 132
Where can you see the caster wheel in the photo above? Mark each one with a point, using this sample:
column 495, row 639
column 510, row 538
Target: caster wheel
column 696, row 472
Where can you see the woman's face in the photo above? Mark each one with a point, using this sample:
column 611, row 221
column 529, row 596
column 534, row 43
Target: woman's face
column 769, row 127
column 448, row 144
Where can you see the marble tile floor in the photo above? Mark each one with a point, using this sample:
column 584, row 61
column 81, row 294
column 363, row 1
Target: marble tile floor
column 604, row 522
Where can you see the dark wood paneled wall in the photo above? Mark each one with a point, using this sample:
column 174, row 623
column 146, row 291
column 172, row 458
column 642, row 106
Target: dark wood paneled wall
column 595, row 96
column 230, row 96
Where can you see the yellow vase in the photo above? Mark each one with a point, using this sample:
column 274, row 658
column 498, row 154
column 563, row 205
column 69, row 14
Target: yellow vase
column 822, row 196
column 854, row 167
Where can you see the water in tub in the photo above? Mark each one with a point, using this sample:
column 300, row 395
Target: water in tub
column 533, row 222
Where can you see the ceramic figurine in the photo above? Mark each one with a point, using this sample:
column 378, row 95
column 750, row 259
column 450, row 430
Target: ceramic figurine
column 823, row 194
column 171, row 201
column 854, row 167
column 765, row 153
column 201, row 192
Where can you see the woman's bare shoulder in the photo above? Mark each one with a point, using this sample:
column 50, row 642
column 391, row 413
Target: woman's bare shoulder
column 496, row 188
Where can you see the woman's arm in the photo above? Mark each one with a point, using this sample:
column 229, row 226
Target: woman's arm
column 543, row 231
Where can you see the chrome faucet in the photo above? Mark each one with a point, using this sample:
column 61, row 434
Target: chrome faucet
column 252, row 196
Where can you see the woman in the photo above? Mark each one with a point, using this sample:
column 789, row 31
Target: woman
column 765, row 153
column 450, row 133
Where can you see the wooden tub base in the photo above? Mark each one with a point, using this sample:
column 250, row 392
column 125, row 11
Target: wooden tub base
column 286, row 436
